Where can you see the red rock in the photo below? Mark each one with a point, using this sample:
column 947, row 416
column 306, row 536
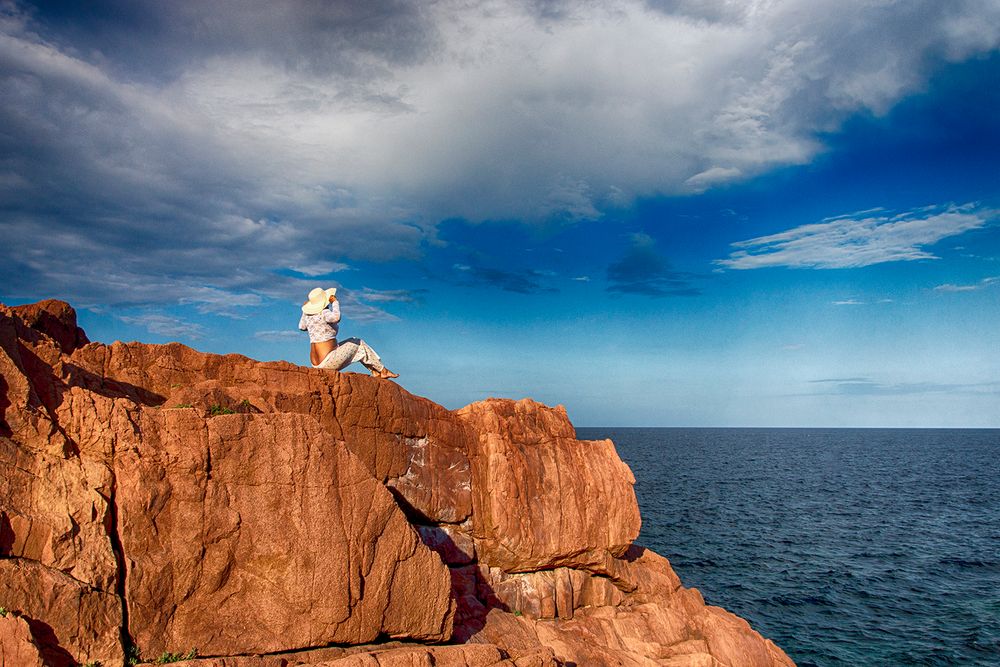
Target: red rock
column 414, row 446
column 259, row 533
column 55, row 319
column 17, row 646
column 71, row 622
column 472, row 655
column 657, row 624
column 534, row 490
column 548, row 594
column 55, row 511
column 452, row 543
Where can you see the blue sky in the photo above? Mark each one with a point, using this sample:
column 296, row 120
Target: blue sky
column 771, row 213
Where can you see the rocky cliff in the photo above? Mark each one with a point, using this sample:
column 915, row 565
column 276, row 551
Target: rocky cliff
column 157, row 502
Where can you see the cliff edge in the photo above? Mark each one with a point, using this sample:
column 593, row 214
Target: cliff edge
column 159, row 503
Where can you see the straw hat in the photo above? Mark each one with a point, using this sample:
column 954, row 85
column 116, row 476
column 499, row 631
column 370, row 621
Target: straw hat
column 319, row 299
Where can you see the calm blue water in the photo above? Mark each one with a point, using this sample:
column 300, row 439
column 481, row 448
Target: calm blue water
column 846, row 547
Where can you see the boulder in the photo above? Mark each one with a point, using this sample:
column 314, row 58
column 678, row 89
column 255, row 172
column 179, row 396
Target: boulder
column 56, row 320
column 659, row 623
column 55, row 512
column 71, row 622
column 17, row 645
column 261, row 533
column 541, row 498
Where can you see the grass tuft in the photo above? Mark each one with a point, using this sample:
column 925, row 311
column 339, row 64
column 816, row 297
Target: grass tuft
column 168, row 657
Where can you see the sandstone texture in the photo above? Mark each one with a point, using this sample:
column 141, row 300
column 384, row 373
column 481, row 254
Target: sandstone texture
column 157, row 502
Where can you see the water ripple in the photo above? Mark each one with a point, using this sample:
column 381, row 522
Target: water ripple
column 845, row 546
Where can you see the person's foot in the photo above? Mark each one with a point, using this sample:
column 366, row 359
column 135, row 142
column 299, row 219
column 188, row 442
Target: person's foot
column 386, row 374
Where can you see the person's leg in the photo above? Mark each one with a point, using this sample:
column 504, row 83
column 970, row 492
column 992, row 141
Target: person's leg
column 356, row 350
column 365, row 355
column 341, row 356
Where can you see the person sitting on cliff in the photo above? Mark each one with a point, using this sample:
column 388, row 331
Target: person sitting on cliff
column 321, row 318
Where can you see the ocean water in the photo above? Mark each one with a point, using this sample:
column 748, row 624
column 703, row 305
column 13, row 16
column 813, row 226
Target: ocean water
column 844, row 546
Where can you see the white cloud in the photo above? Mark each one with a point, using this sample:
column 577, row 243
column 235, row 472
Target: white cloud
column 389, row 296
column 714, row 176
column 863, row 386
column 319, row 268
column 985, row 282
column 220, row 302
column 165, row 325
column 856, row 241
column 849, row 302
column 279, row 335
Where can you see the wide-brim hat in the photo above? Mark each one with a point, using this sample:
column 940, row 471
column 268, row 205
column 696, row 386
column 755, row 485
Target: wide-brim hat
column 319, row 299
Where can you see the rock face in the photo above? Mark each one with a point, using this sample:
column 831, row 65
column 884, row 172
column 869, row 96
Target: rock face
column 155, row 500
column 535, row 487
column 252, row 535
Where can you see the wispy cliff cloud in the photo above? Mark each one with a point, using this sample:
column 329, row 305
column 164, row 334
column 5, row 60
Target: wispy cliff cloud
column 985, row 282
column 871, row 237
column 862, row 386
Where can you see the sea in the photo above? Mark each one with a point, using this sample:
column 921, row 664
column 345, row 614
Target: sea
column 844, row 546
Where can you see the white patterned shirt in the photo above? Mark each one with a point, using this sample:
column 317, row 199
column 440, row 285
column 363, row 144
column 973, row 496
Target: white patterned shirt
column 323, row 325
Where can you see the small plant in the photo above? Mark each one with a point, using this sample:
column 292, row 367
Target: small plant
column 168, row 657
column 3, row 612
column 517, row 612
column 132, row 657
column 176, row 386
column 183, row 405
column 245, row 405
column 215, row 410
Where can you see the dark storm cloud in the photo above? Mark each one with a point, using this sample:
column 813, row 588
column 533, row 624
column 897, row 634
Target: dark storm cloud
column 157, row 40
column 642, row 270
column 109, row 194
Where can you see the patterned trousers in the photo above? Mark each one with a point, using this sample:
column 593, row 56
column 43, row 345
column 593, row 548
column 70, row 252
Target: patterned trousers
column 349, row 351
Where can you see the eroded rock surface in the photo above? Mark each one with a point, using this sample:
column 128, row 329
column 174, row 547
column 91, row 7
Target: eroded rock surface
column 247, row 534
column 159, row 499
column 17, row 645
column 542, row 498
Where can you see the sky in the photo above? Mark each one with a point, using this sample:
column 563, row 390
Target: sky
column 655, row 213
